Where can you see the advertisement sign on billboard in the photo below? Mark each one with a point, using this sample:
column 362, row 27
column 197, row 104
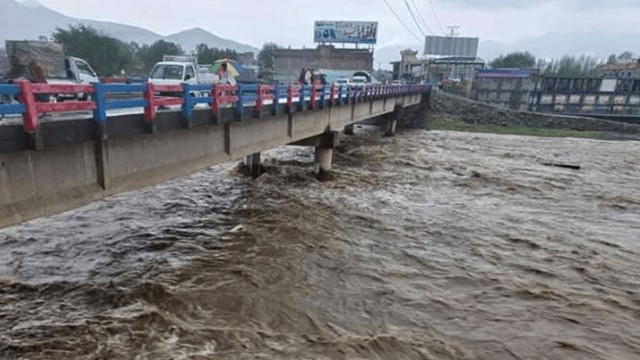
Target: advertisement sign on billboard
column 451, row 46
column 353, row 32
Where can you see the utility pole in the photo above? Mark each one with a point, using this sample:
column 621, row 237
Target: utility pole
column 453, row 30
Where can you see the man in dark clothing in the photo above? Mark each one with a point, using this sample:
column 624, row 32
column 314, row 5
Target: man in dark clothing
column 18, row 70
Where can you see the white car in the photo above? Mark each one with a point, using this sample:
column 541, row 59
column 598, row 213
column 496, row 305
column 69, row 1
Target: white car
column 359, row 80
column 341, row 82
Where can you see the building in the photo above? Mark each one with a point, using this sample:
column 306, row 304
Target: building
column 409, row 67
column 460, row 69
column 289, row 62
column 509, row 88
column 628, row 70
column 412, row 69
column 4, row 66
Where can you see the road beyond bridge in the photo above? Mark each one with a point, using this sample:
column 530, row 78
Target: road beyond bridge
column 51, row 167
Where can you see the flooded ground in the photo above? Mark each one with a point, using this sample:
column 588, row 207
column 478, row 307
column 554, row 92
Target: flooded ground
column 430, row 245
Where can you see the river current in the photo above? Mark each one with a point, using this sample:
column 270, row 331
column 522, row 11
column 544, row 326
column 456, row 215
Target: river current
column 429, row 245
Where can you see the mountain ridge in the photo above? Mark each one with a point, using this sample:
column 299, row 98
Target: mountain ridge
column 29, row 20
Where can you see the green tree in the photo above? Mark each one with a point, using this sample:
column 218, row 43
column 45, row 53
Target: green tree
column 612, row 59
column 514, row 60
column 626, row 56
column 149, row 55
column 107, row 55
column 265, row 58
column 207, row 55
column 574, row 66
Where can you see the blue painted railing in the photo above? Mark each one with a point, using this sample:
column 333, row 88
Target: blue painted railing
column 293, row 97
column 9, row 92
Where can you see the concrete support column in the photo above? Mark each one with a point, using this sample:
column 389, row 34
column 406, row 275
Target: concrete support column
column 392, row 126
column 324, row 157
column 324, row 144
column 102, row 164
column 393, row 119
column 349, row 130
column 253, row 164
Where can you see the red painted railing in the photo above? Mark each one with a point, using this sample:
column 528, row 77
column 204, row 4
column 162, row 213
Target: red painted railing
column 223, row 94
column 333, row 95
column 316, row 94
column 34, row 108
column 294, row 91
column 113, row 80
column 265, row 92
column 153, row 101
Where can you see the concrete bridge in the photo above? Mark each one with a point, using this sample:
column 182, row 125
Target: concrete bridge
column 47, row 167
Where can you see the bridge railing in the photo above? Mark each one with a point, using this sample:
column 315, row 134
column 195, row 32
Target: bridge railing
column 104, row 97
column 161, row 96
column 265, row 93
column 9, row 92
column 33, row 108
column 104, row 104
column 190, row 99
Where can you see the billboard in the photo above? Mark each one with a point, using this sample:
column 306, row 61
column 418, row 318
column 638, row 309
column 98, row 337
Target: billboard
column 353, row 32
column 451, row 46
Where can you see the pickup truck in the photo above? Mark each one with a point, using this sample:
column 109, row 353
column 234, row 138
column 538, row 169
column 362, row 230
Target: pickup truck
column 60, row 69
column 176, row 70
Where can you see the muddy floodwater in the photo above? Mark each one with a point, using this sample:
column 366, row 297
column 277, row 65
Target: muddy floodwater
column 429, row 245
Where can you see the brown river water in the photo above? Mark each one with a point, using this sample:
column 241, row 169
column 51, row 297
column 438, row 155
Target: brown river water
column 429, row 245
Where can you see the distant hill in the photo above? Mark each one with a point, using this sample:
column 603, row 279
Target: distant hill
column 189, row 39
column 28, row 20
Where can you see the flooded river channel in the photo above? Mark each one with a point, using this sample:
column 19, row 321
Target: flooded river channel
column 429, row 245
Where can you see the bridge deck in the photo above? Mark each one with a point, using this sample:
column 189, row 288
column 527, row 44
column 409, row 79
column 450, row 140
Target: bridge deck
column 80, row 160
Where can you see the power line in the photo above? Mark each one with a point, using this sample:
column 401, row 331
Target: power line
column 424, row 23
column 401, row 22
column 435, row 15
column 413, row 16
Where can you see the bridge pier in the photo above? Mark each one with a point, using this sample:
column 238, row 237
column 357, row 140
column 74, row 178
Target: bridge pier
column 324, row 158
column 253, row 164
column 349, row 130
column 324, row 144
column 391, row 125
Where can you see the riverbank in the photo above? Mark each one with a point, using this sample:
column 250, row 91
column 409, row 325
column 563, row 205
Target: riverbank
column 452, row 112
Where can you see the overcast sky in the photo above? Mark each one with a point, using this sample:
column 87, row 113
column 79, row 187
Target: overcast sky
column 290, row 22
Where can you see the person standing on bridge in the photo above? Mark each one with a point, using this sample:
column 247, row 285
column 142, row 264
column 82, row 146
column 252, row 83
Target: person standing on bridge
column 38, row 75
column 225, row 76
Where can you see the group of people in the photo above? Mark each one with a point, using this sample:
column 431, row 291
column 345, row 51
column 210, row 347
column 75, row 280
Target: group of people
column 309, row 77
column 32, row 71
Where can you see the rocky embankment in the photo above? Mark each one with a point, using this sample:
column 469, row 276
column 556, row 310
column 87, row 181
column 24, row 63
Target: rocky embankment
column 473, row 112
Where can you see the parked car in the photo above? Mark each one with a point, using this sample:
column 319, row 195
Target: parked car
column 342, row 81
column 359, row 82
